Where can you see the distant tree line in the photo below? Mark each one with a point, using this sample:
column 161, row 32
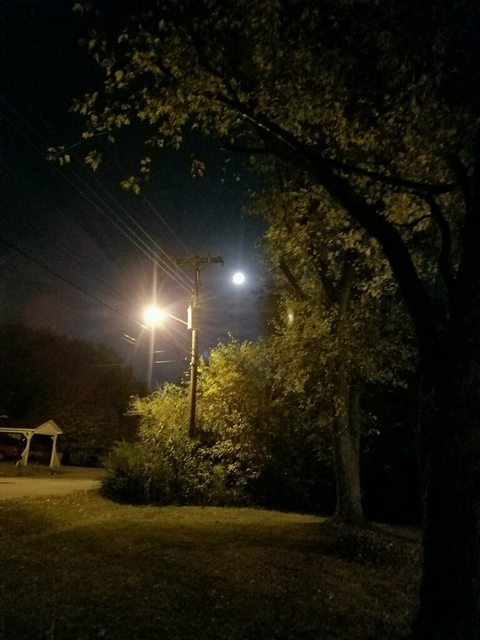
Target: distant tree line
column 84, row 387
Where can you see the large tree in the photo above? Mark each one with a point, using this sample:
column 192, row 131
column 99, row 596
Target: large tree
column 344, row 326
column 378, row 104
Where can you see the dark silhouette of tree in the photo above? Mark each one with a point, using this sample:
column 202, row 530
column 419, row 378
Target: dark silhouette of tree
column 85, row 388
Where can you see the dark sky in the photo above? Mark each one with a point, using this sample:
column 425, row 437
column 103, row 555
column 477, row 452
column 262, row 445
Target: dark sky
column 73, row 243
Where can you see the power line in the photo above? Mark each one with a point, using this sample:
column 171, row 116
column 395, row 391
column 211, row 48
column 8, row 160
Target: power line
column 188, row 283
column 14, row 247
column 129, row 233
column 152, row 207
column 81, row 265
column 113, row 218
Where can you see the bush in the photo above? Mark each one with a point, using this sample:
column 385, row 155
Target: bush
column 248, row 451
column 129, row 476
column 182, row 473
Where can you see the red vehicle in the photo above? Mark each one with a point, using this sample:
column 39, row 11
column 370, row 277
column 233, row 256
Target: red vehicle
column 10, row 448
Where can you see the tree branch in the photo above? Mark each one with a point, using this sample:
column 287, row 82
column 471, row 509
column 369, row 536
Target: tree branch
column 248, row 150
column 292, row 280
column 369, row 216
column 413, row 223
column 318, row 263
column 394, row 181
column 261, row 121
column 345, row 285
column 463, row 180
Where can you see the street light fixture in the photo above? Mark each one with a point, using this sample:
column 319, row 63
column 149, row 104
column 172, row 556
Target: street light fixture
column 153, row 316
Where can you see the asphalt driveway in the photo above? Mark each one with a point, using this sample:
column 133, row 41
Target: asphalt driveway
column 29, row 486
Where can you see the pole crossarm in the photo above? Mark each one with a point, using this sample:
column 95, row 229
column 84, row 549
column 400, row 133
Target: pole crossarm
column 196, row 262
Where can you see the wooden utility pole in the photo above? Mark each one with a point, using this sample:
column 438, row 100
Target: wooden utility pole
column 197, row 262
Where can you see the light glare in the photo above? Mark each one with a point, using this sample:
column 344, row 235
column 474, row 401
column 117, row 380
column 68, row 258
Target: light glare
column 153, row 316
column 238, row 278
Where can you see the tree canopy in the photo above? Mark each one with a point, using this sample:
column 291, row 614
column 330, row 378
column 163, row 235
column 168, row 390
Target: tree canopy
column 378, row 105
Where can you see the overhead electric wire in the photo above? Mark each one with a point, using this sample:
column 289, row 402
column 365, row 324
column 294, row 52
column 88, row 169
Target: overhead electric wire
column 146, row 249
column 153, row 208
column 82, row 266
column 187, row 281
column 150, row 252
column 39, row 263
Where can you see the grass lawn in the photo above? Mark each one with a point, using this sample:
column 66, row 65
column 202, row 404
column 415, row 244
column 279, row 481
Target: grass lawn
column 80, row 567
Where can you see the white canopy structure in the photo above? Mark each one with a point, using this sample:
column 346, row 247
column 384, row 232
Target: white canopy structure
column 49, row 428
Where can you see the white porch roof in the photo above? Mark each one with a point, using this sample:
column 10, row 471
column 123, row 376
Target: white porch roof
column 49, row 428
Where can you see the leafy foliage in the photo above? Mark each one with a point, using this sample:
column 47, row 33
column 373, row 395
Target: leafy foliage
column 277, row 447
column 377, row 103
column 166, row 466
column 251, row 449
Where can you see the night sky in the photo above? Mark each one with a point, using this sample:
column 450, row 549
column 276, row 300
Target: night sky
column 75, row 248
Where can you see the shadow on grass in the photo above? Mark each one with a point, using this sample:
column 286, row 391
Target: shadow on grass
column 85, row 568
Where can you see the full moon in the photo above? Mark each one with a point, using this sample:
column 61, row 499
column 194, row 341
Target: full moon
column 238, row 278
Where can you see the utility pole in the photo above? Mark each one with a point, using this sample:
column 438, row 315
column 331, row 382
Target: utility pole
column 197, row 262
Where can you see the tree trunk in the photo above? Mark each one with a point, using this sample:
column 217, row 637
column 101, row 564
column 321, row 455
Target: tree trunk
column 346, row 446
column 346, row 414
column 450, row 589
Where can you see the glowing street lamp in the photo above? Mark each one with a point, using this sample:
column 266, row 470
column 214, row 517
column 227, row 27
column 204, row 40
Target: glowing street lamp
column 153, row 316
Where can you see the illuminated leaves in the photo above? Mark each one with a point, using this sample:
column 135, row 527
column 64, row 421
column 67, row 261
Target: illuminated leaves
column 197, row 168
column 347, row 90
column 313, row 238
column 132, row 184
column 82, row 7
column 58, row 155
column 93, row 159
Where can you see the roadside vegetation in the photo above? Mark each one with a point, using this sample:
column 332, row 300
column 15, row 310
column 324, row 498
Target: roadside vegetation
column 264, row 438
column 81, row 566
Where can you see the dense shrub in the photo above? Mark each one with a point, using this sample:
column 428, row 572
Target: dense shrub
column 165, row 465
column 256, row 444
column 130, row 476
column 248, row 450
column 183, row 474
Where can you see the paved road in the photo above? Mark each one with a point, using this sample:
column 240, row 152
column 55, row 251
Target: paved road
column 25, row 487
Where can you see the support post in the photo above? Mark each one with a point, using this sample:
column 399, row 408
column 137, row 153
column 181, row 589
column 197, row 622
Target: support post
column 196, row 261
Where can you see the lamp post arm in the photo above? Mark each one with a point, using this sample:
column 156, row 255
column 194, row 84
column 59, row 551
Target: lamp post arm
column 169, row 315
